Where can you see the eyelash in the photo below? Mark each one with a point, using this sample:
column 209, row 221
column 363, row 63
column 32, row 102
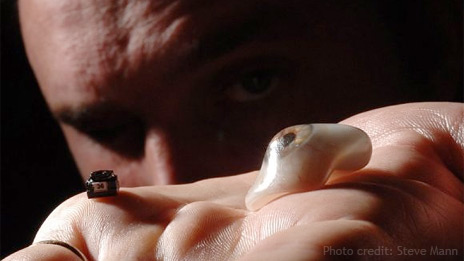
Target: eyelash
column 106, row 134
column 253, row 78
column 253, row 85
column 126, row 138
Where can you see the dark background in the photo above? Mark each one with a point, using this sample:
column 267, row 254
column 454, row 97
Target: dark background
column 37, row 171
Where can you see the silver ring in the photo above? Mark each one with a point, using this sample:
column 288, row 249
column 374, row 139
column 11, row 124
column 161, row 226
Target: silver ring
column 76, row 251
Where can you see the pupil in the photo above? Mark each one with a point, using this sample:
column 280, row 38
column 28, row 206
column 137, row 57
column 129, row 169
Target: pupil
column 257, row 82
column 287, row 139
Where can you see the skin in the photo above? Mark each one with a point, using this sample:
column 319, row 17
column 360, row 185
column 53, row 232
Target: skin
column 165, row 90
column 158, row 92
column 410, row 196
column 302, row 158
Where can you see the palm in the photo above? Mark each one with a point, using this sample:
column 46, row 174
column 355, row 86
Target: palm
column 408, row 197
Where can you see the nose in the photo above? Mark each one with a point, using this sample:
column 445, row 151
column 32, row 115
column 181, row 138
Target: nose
column 157, row 163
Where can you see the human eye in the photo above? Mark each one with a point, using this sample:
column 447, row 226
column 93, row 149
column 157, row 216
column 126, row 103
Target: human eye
column 256, row 78
column 254, row 85
column 106, row 133
column 120, row 133
column 125, row 138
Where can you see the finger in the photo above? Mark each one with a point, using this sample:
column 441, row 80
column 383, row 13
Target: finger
column 414, row 214
column 97, row 226
column 420, row 141
column 321, row 241
column 43, row 252
column 227, row 191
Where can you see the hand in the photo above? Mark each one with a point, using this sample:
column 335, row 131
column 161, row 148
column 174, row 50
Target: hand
column 408, row 199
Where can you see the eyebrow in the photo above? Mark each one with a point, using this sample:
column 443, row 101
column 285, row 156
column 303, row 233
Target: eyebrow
column 260, row 25
column 223, row 41
column 220, row 41
column 103, row 123
column 82, row 116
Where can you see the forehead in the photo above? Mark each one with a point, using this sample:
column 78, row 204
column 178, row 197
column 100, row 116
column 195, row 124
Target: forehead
column 79, row 47
column 85, row 51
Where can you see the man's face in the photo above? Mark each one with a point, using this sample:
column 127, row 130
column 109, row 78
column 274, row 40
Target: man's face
column 176, row 91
